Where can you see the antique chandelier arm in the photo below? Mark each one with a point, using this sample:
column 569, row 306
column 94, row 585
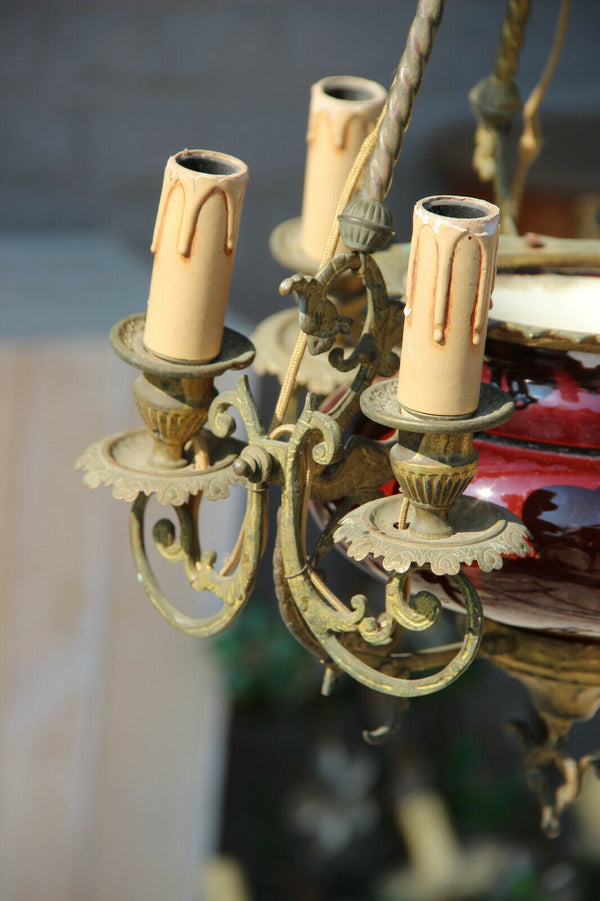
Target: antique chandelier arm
column 351, row 500
column 287, row 607
column 234, row 589
column 234, row 583
column 327, row 617
column 374, row 351
column 427, row 659
column 384, row 683
column 320, row 320
column 405, row 664
column 296, row 565
column 364, row 467
column 375, row 655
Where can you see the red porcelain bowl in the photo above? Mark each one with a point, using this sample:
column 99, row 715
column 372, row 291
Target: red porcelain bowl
column 544, row 466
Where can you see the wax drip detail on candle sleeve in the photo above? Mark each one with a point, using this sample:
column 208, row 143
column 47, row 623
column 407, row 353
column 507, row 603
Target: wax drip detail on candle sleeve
column 442, row 289
column 443, row 283
column 487, row 268
column 232, row 190
column 338, row 122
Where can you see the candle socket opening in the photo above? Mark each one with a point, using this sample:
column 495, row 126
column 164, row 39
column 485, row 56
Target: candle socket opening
column 206, row 164
column 456, row 208
column 347, row 92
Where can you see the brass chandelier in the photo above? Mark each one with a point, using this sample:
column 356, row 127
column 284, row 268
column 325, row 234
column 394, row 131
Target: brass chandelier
column 406, row 350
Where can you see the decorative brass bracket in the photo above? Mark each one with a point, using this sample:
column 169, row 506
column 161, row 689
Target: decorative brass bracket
column 180, row 462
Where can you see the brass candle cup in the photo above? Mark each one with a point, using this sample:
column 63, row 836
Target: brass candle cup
column 173, row 410
column 431, row 523
column 434, row 459
column 433, row 470
column 174, row 398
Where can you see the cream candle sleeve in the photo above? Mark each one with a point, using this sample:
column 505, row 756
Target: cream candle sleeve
column 343, row 111
column 194, row 247
column 451, row 273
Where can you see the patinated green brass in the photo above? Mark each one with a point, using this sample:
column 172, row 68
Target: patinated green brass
column 188, row 452
column 366, row 223
column 179, row 462
column 308, row 461
column 321, row 320
column 233, row 583
column 274, row 339
column 123, row 462
column 173, row 398
column 433, row 461
column 563, row 680
column 347, row 636
column 351, row 315
column 276, row 336
column 430, row 526
column 433, row 470
column 495, row 101
column 173, row 410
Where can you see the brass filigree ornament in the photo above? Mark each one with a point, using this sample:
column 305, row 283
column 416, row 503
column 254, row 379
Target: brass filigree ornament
column 309, row 461
column 187, row 453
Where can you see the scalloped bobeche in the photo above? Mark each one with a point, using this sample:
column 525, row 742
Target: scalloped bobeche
column 120, row 462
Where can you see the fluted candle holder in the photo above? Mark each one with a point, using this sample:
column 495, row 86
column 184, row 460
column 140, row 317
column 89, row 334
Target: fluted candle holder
column 430, row 523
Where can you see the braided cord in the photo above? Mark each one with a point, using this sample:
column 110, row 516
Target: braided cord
column 289, row 382
column 379, row 152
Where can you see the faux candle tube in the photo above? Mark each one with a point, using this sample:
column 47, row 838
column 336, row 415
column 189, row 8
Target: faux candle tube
column 343, row 111
column 451, row 270
column 194, row 245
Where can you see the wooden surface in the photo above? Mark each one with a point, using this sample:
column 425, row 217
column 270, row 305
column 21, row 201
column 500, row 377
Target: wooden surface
column 112, row 725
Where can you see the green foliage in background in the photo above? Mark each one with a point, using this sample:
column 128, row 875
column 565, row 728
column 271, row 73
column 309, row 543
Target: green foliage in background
column 263, row 663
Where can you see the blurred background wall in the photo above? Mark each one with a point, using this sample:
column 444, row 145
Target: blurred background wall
column 94, row 96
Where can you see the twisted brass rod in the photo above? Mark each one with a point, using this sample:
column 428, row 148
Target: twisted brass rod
column 511, row 40
column 399, row 105
column 382, row 148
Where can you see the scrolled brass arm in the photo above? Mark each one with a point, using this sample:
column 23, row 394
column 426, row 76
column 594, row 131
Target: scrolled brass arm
column 327, row 619
column 235, row 581
column 234, row 587
column 319, row 319
column 222, row 424
column 389, row 684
